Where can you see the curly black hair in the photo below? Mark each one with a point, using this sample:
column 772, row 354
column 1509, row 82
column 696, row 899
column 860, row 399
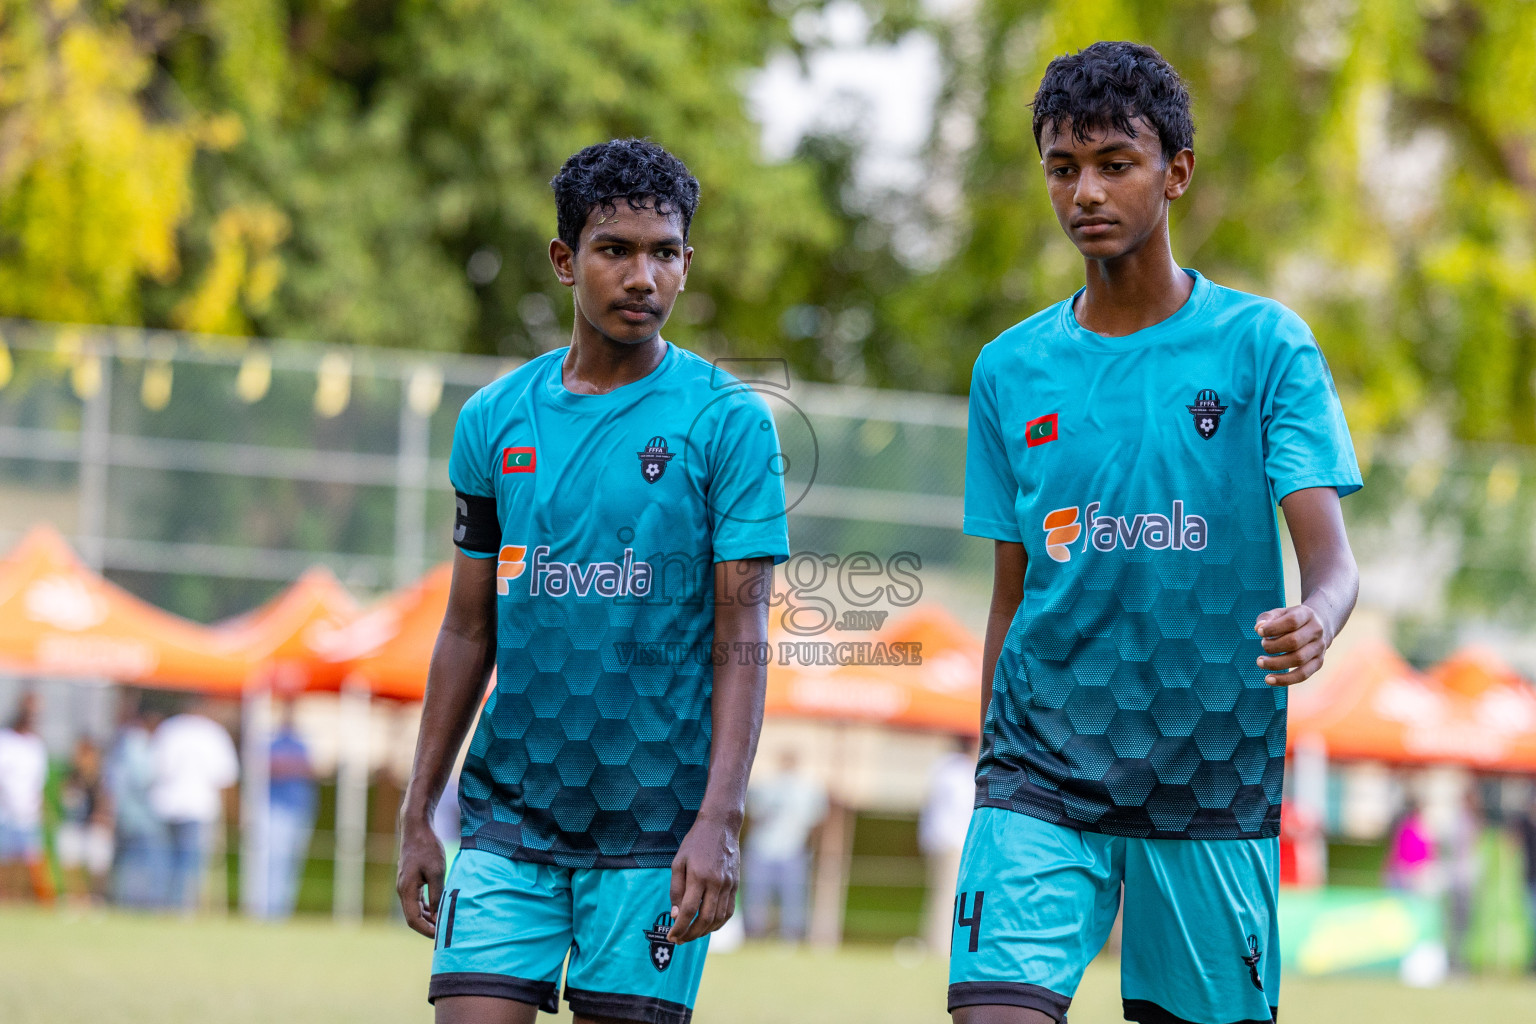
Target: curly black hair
column 635, row 170
column 1106, row 86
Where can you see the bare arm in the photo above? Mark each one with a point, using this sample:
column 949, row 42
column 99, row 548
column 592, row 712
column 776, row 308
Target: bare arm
column 1297, row 638
column 461, row 664
column 1008, row 562
column 707, row 868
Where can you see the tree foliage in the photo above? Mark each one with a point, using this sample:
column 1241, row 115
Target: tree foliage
column 409, row 146
column 1372, row 164
column 375, row 172
column 92, row 190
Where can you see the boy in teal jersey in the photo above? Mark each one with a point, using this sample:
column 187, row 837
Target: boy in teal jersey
column 620, row 509
column 1126, row 451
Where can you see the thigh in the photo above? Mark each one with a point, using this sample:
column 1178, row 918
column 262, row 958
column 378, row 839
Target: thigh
column 1201, row 940
column 10, row 843
column 69, row 845
column 797, row 871
column 187, row 843
column 768, row 874
column 1033, row 904
column 98, row 849
column 483, row 1010
column 622, row 967
column 280, row 843
column 503, row 930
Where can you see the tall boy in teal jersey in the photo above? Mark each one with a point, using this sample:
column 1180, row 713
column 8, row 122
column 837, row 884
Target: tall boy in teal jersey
column 1126, row 451
column 619, row 517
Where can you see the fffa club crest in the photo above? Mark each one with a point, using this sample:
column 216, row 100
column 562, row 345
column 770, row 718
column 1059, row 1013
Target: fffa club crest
column 1207, row 411
column 661, row 947
column 1252, row 960
column 653, row 461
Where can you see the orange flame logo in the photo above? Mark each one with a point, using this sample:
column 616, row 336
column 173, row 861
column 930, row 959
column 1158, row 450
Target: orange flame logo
column 1061, row 529
column 509, row 566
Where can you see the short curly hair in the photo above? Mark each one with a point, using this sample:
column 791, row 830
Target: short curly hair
column 635, row 170
column 1108, row 85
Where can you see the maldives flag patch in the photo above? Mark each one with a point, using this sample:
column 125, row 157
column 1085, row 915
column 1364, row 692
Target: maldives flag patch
column 519, row 460
column 1040, row 430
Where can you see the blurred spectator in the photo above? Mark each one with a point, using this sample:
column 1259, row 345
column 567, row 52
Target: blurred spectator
column 1410, row 861
column 784, row 811
column 293, row 797
column 23, row 773
column 941, row 836
column 1463, row 868
column 194, row 763
column 138, row 870
column 1528, row 843
column 85, row 831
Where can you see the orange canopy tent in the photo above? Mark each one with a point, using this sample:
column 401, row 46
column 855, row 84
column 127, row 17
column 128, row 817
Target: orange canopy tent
column 1500, row 706
column 388, row 646
column 1470, row 710
column 940, row 693
column 59, row 618
column 284, row 634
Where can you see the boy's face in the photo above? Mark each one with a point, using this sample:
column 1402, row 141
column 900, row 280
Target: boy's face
column 627, row 271
column 1111, row 192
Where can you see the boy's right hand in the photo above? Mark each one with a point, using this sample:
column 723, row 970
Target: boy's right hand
column 421, row 864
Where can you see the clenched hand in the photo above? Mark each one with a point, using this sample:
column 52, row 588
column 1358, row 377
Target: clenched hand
column 1296, row 642
column 705, row 874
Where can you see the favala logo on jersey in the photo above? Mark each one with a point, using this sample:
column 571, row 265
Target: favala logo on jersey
column 624, row 578
column 1061, row 530
column 509, row 566
column 1176, row 531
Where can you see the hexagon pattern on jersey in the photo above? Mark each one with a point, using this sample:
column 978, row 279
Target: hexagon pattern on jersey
column 1134, row 706
column 582, row 756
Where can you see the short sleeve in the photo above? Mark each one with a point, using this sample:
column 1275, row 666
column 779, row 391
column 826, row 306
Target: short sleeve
column 990, row 487
column 469, row 464
column 746, row 487
column 1306, row 440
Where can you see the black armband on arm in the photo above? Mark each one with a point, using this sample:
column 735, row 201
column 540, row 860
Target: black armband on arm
column 475, row 527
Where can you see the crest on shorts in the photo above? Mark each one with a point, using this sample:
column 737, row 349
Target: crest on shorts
column 654, row 459
column 1252, row 960
column 661, row 946
column 1207, row 411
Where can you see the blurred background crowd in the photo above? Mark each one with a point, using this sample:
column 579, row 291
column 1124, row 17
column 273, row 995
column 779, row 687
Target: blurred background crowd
column 256, row 256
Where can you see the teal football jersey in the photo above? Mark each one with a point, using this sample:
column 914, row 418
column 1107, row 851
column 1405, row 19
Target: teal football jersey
column 593, row 749
column 1141, row 474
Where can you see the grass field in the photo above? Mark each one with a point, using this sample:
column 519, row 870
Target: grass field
column 114, row 969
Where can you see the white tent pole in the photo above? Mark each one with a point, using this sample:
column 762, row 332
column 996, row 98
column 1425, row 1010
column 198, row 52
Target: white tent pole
column 95, row 435
column 351, row 801
column 411, row 471
column 255, row 799
column 830, row 885
column 1309, row 788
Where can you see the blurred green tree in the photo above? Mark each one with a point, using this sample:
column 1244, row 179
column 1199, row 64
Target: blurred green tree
column 1371, row 164
column 92, row 188
column 375, row 172
column 410, row 145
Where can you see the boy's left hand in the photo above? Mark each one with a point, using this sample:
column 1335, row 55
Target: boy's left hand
column 705, row 874
column 1295, row 641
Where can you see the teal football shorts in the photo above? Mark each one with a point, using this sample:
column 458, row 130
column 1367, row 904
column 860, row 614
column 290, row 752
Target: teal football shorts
column 1035, row 902
column 505, row 928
